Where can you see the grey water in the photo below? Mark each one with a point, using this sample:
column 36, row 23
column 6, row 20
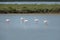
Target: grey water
column 29, row 2
column 14, row 30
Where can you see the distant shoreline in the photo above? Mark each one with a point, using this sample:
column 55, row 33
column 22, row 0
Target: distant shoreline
column 32, row 14
column 29, row 13
column 31, row 2
column 29, row 8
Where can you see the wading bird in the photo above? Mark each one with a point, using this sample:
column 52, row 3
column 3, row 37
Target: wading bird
column 46, row 23
column 21, row 19
column 7, row 20
column 25, row 20
column 36, row 23
column 36, row 20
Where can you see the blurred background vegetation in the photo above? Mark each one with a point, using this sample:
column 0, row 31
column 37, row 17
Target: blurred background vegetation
column 29, row 8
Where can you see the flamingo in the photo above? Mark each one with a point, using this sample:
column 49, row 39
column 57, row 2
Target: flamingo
column 22, row 19
column 25, row 20
column 7, row 20
column 36, row 21
column 45, row 22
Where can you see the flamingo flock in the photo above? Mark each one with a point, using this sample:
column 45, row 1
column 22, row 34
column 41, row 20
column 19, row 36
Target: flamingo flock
column 45, row 21
column 24, row 21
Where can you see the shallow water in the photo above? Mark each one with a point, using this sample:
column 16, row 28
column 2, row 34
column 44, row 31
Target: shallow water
column 29, row 2
column 15, row 30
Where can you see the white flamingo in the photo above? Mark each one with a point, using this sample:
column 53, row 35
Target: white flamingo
column 46, row 23
column 36, row 21
column 7, row 20
column 25, row 20
column 21, row 19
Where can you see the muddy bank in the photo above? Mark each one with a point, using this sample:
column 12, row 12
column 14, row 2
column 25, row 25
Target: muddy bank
column 39, row 11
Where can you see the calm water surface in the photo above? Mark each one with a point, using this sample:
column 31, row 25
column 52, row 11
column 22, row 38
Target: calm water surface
column 15, row 30
column 29, row 2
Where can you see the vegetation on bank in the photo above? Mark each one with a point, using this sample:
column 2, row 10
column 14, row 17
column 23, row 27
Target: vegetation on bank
column 29, row 8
